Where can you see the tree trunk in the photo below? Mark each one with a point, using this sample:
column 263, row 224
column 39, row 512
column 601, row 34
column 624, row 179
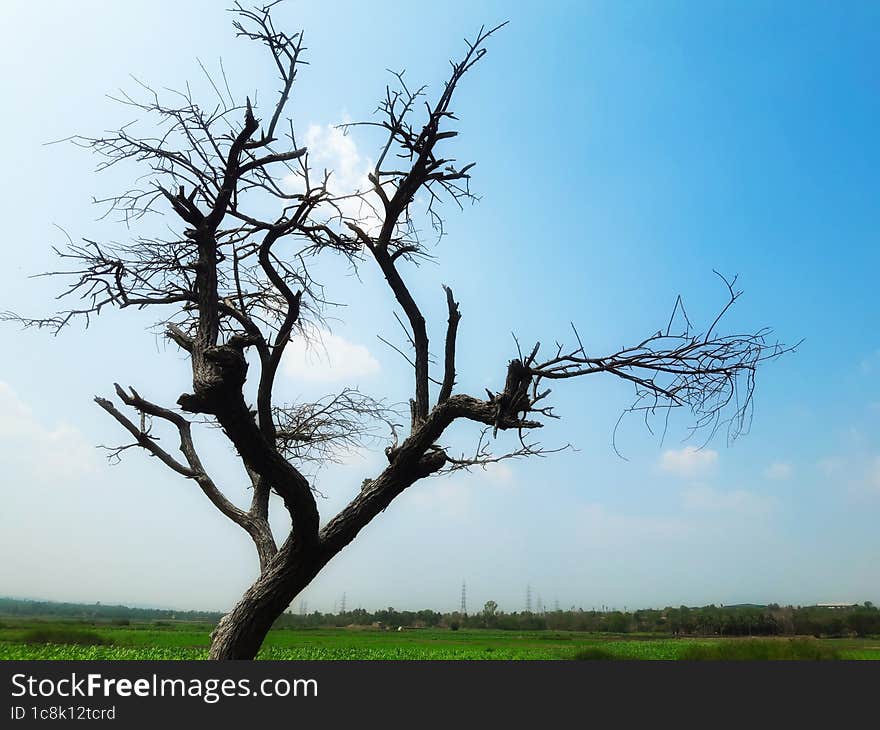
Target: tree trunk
column 240, row 633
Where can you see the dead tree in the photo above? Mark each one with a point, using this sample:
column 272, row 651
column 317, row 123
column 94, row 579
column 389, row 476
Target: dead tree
column 223, row 288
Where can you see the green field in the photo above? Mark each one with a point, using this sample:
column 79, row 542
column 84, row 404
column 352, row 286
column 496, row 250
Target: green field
column 34, row 639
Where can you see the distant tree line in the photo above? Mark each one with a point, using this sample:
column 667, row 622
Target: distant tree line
column 743, row 620
column 100, row 612
column 770, row 620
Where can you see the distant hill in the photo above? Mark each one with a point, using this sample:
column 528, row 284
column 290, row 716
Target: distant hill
column 99, row 611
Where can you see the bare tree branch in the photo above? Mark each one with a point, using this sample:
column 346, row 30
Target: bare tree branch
column 233, row 282
column 449, row 354
column 255, row 525
column 328, row 430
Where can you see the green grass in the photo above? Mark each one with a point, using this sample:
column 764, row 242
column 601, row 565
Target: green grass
column 32, row 639
column 762, row 650
column 65, row 636
column 594, row 653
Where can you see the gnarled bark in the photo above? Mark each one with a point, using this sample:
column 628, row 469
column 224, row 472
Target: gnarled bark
column 240, row 633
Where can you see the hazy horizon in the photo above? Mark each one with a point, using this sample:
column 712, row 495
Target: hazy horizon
column 296, row 608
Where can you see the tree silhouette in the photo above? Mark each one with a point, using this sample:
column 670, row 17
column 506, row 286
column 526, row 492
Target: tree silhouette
column 223, row 289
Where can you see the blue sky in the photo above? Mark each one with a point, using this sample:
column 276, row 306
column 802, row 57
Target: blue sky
column 625, row 150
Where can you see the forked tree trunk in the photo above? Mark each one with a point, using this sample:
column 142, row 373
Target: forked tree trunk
column 240, row 633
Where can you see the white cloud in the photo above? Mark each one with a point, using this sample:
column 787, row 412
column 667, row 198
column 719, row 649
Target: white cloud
column 858, row 474
column 689, row 461
column 779, row 470
column 328, row 358
column 442, row 498
column 41, row 451
column 702, row 498
column 332, row 149
column 499, row 473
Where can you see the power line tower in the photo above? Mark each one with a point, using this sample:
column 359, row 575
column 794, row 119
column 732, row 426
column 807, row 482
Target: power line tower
column 539, row 605
column 342, row 606
column 528, row 599
column 463, row 609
